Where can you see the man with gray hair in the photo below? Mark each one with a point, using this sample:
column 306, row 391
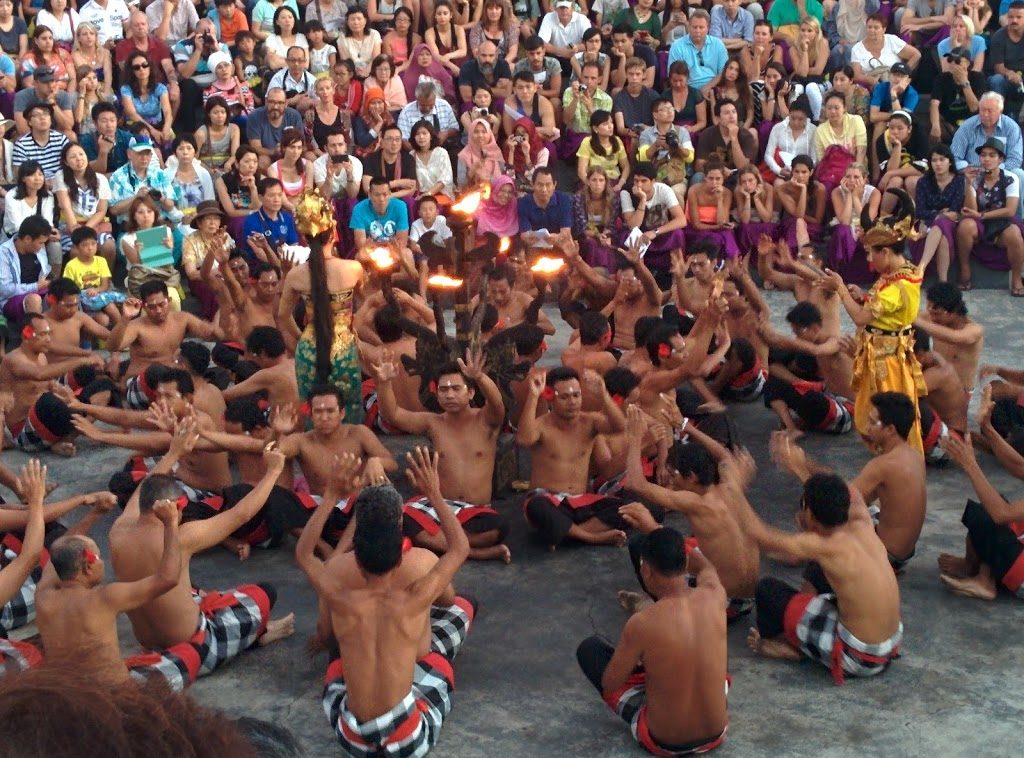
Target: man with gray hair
column 975, row 131
column 435, row 111
column 704, row 54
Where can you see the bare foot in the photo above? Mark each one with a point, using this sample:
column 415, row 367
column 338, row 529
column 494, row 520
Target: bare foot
column 954, row 566
column 613, row 537
column 278, row 629
column 243, row 550
column 64, row 449
column 970, row 587
column 770, row 648
column 632, row 602
column 493, row 553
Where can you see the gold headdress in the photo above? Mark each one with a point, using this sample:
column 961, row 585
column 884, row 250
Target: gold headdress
column 313, row 214
column 892, row 231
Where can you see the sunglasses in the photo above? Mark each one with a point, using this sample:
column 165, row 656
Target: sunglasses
column 139, row 66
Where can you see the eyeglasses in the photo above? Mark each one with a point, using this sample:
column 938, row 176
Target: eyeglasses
column 392, row 139
column 139, row 66
column 700, row 57
column 296, row 60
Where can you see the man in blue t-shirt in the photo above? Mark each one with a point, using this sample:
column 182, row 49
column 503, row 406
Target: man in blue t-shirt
column 270, row 225
column 545, row 212
column 265, row 125
column 382, row 221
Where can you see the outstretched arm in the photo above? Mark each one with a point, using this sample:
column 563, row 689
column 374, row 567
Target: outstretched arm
column 342, row 480
column 473, row 368
column 998, row 508
column 13, row 576
column 528, row 432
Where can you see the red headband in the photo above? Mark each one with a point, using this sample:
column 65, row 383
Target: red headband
column 432, row 387
column 618, row 399
column 664, row 350
column 28, row 332
column 89, row 556
column 548, row 394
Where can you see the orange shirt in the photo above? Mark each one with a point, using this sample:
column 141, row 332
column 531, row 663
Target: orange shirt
column 230, row 27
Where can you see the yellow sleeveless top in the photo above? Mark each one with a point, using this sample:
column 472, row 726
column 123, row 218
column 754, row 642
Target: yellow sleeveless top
column 895, row 299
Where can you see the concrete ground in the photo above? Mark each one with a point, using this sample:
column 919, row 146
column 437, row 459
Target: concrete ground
column 956, row 691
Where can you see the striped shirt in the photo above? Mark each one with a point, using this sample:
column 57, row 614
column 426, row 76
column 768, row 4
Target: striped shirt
column 48, row 154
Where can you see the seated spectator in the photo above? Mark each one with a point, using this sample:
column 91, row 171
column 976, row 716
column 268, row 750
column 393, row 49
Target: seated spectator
column 703, row 54
column 839, row 140
column 43, row 53
column 368, row 126
column 525, row 152
column 144, row 100
column 844, row 25
column 383, row 219
column 266, row 125
column 482, row 107
column 654, row 209
column 270, row 225
column 61, row 19
column 792, row 136
column 591, row 52
column 726, row 141
column 785, row 17
column 359, row 43
column 803, row 201
column 976, row 130
column 382, row 13
column 981, row 13
column 447, row 39
column 83, row 197
column 642, row 21
column 962, row 34
column 850, row 199
column 433, row 165
column 143, row 213
column 298, row 85
column 756, row 211
column 24, row 268
column 596, row 210
column 604, row 150
column 761, row 53
column 110, row 19
column 90, row 273
column 263, row 16
column 923, row 22
column 810, row 56
column 139, row 177
column 989, row 217
column 854, row 95
column 392, row 163
column 498, row 213
column 941, row 194
column 581, row 99
column 954, row 96
column 382, row 76
column 88, row 52
column 338, row 179
column 709, row 212
column 896, row 94
column 733, row 86
column 545, row 212
column 172, row 20
column 527, row 103
column 423, row 66
column 691, row 109
column 217, row 139
column 674, row 21
column 326, row 117
column 872, row 57
column 429, row 107
column 44, row 90
column 235, row 93
column 287, row 34
column 295, row 174
column 771, row 102
column 191, row 56
column 632, row 104
column 107, row 148
column 496, row 22
column 238, row 191
column 902, row 151
column 348, row 91
column 140, row 39
column 41, row 143
column 544, row 71
column 249, row 65
column 322, row 55
column 31, row 197
column 230, row 20
column 191, row 182
column 732, row 24
column 399, row 42
column 622, row 49
column 1006, row 56
column 481, row 158
column 668, row 147
column 206, row 234
column 485, row 68
column 562, row 31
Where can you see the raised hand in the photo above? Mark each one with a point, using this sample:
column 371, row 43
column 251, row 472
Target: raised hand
column 786, row 454
column 536, row 381
column 167, row 512
column 186, row 435
column 32, row 482
column 101, row 502
column 593, row 382
column 387, row 369
column 283, row 419
column 422, row 471
column 373, row 472
column 985, row 409
column 638, row 517
column 345, row 473
column 765, row 246
column 273, row 458
column 85, row 426
column 679, row 265
column 961, row 452
column 473, row 366
column 632, row 252
column 131, row 307
column 161, row 415
column 635, row 425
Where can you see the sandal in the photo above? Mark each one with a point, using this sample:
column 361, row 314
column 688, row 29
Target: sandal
column 964, row 286
column 1017, row 292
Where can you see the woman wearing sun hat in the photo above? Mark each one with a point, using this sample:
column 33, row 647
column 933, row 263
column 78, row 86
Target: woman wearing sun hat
column 209, row 235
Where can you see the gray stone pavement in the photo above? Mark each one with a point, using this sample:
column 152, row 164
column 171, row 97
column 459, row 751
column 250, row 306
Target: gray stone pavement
column 958, row 689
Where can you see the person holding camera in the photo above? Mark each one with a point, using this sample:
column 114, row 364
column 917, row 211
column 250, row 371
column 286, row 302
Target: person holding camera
column 581, row 99
column 336, row 173
column 668, row 147
column 191, row 56
column 139, row 178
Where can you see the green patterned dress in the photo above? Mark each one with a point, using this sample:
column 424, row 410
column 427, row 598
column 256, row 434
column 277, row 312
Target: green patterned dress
column 345, row 371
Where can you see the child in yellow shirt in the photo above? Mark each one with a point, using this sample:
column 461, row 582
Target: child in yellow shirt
column 92, row 275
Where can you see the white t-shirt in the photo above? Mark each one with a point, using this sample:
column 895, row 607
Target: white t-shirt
column 890, row 56
column 341, row 181
column 62, row 30
column 109, row 21
column 552, row 31
column 87, row 200
column 661, row 201
column 440, row 228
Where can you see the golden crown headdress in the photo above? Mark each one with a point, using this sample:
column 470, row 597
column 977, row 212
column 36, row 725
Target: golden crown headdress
column 313, row 214
column 894, row 230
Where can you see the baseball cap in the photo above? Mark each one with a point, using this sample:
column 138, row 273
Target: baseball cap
column 900, row 68
column 140, row 143
column 563, row 4
column 43, row 74
column 958, row 52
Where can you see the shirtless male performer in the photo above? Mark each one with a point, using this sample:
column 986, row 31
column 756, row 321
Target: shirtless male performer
column 36, row 418
column 691, row 293
column 68, row 324
column 956, row 337
column 189, row 633
column 16, row 655
column 895, row 476
column 153, row 337
column 714, row 515
column 194, row 358
column 512, row 304
column 682, row 631
column 253, row 304
column 807, row 269
column 853, row 630
column 466, row 441
column 276, row 375
column 944, row 410
column 77, row 613
column 396, row 619
column 561, row 442
column 397, row 342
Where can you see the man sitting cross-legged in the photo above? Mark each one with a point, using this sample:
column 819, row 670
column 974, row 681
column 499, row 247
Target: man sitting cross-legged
column 466, row 441
column 715, row 515
column 190, row 633
column 675, row 700
column 994, row 554
column 395, row 618
column 77, row 612
column 895, row 477
column 855, row 628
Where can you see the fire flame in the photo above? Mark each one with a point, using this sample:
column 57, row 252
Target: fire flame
column 504, row 245
column 468, row 205
column 546, row 265
column 382, row 258
column 443, row 281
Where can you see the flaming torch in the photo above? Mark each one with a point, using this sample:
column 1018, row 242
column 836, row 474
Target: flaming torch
column 384, row 263
column 547, row 266
column 441, row 283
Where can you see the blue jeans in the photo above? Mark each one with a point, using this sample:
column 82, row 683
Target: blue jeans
column 999, row 83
